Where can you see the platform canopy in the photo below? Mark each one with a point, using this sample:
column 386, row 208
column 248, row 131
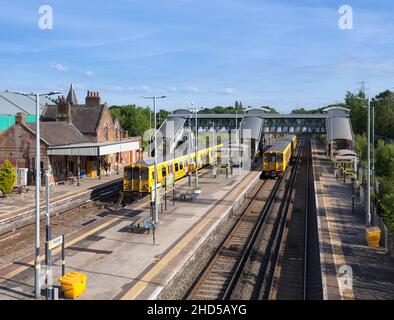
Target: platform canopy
column 94, row 149
column 345, row 152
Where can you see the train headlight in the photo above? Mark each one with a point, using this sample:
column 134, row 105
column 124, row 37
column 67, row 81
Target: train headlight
column 145, row 186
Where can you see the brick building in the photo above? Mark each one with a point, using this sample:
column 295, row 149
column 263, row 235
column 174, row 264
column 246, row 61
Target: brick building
column 76, row 139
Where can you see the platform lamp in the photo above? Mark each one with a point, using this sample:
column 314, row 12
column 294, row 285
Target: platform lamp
column 155, row 213
column 194, row 109
column 37, row 260
column 368, row 219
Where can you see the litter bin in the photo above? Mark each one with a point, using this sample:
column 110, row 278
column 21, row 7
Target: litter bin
column 373, row 235
column 73, row 284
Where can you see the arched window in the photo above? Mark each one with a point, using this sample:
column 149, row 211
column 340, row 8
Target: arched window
column 117, row 132
column 106, row 131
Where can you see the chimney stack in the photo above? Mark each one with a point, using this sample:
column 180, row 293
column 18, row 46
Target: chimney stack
column 20, row 118
column 93, row 98
column 63, row 110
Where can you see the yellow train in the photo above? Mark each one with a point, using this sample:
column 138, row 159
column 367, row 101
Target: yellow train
column 139, row 177
column 277, row 158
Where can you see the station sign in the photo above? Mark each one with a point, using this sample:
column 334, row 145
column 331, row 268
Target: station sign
column 52, row 244
column 159, row 192
column 169, row 179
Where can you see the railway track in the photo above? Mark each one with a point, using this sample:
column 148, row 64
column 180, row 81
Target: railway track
column 227, row 273
column 291, row 272
column 219, row 277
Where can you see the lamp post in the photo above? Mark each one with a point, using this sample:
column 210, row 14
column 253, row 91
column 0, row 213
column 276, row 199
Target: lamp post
column 368, row 218
column 37, row 260
column 368, row 222
column 155, row 212
column 194, row 108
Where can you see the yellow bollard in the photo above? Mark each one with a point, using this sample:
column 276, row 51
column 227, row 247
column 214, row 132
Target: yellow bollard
column 373, row 235
column 73, row 284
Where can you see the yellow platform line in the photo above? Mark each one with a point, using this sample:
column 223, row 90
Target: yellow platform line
column 157, row 268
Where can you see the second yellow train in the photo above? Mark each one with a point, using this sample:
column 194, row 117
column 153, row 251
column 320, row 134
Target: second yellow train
column 278, row 157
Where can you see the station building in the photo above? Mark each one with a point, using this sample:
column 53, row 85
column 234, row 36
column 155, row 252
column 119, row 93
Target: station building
column 77, row 140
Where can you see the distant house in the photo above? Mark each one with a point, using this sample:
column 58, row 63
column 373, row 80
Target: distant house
column 76, row 139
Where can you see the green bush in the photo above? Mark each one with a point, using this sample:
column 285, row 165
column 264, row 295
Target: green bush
column 7, row 177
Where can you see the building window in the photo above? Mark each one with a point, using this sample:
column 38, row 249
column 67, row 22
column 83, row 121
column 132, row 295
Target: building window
column 117, row 136
column 106, row 131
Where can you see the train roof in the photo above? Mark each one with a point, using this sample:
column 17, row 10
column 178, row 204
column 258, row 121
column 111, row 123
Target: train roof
column 281, row 144
column 168, row 157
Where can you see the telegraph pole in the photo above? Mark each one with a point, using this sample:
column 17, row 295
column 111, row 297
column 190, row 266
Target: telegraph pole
column 368, row 220
column 37, row 259
column 155, row 209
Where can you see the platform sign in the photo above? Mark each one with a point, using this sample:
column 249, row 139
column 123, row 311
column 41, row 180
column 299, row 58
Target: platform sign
column 159, row 195
column 52, row 244
column 169, row 179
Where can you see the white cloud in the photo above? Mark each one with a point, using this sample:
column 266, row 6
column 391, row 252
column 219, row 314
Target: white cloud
column 171, row 89
column 58, row 66
column 355, row 67
column 228, row 91
column 90, row 74
column 140, row 89
column 191, row 89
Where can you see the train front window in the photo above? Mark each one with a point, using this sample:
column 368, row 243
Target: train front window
column 280, row 157
column 270, row 157
column 128, row 173
column 136, row 173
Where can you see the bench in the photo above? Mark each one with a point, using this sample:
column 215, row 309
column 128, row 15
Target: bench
column 142, row 224
column 186, row 196
column 20, row 189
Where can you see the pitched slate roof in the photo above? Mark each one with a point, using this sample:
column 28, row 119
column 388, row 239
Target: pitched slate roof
column 58, row 133
column 85, row 118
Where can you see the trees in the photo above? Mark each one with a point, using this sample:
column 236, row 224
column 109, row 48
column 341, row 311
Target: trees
column 358, row 113
column 384, row 168
column 384, row 165
column 361, row 146
column 7, row 178
column 271, row 109
column 304, row 111
column 383, row 104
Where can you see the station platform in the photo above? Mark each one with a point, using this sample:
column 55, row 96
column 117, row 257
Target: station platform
column 350, row 269
column 18, row 210
column 124, row 265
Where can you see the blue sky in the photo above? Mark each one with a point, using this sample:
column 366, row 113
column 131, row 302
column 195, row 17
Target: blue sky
column 280, row 53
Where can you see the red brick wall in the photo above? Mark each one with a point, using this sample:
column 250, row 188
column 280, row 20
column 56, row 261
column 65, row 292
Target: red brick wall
column 106, row 120
column 18, row 144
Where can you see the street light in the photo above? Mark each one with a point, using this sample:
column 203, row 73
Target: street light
column 368, row 222
column 156, row 213
column 194, row 108
column 37, row 260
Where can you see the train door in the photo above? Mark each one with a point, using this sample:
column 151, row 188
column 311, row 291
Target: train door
column 163, row 174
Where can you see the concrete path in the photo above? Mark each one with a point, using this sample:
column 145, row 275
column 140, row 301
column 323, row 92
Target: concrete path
column 116, row 260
